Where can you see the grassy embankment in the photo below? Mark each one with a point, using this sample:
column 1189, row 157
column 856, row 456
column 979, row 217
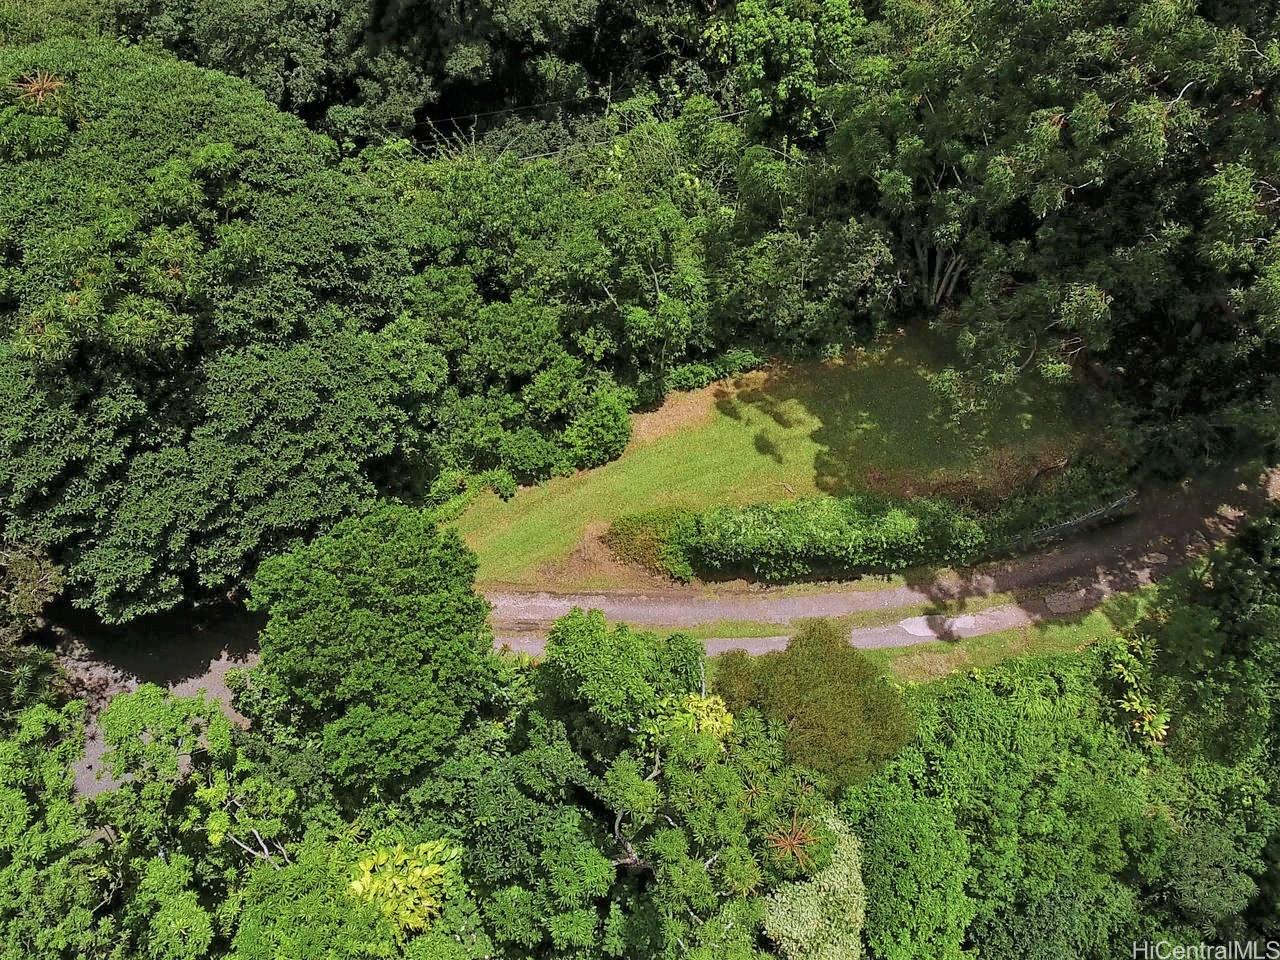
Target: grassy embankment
column 867, row 422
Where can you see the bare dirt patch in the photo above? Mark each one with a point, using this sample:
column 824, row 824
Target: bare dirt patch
column 592, row 561
column 678, row 412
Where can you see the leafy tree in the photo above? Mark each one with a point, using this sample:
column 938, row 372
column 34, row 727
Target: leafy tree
column 1074, row 186
column 1052, row 830
column 303, row 910
column 28, row 583
column 320, row 59
column 376, row 652
column 630, row 815
column 369, row 70
column 605, row 680
column 26, row 21
column 785, row 54
column 1207, row 657
column 188, row 373
column 236, row 338
column 52, row 882
column 917, row 905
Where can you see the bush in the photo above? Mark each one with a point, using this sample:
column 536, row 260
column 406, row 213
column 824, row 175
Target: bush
column 799, row 538
column 601, row 432
column 861, row 534
column 692, row 376
column 655, row 540
column 843, row 717
column 858, row 534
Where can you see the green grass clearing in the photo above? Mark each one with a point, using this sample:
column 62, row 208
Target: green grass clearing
column 868, row 421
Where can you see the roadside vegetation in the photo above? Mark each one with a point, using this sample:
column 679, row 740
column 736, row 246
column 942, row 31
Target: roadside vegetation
column 926, row 662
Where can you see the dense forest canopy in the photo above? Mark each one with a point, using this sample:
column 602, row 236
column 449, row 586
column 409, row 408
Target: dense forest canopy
column 269, row 328
column 284, row 283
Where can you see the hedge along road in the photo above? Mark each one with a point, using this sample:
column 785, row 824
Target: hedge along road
column 1170, row 528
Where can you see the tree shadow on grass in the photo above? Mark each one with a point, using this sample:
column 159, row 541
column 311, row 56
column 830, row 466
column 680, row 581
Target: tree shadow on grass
column 879, row 425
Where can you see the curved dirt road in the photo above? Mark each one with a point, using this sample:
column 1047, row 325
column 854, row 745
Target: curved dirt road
column 1170, row 528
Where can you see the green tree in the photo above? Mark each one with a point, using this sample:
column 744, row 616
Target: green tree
column 53, row 882
column 29, row 582
column 821, row 918
column 917, row 904
column 376, row 652
column 189, row 371
column 1074, row 186
column 628, row 814
column 842, row 716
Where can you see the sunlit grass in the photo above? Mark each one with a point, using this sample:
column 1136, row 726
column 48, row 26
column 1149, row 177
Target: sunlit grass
column 870, row 421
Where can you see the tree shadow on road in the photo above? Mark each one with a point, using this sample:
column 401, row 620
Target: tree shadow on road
column 174, row 650
column 1100, row 570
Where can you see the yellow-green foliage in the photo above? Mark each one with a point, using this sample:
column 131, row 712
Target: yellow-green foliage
column 705, row 716
column 409, row 885
column 821, row 918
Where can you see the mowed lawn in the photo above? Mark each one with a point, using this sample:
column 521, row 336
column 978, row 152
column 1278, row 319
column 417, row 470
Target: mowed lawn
column 867, row 421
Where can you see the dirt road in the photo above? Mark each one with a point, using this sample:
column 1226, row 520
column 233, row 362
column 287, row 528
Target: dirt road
column 1169, row 529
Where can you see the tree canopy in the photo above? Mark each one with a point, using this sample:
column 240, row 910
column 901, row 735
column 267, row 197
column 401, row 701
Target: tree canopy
column 284, row 284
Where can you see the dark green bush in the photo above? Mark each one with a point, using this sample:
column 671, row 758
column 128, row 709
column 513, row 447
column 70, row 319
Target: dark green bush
column 843, row 717
column 793, row 539
column 847, row 535
column 856, row 535
column 692, row 376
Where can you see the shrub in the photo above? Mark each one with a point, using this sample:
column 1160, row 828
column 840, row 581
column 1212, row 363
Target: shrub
column 842, row 716
column 655, row 540
column 799, row 538
column 858, row 534
column 692, row 376
column 601, row 432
